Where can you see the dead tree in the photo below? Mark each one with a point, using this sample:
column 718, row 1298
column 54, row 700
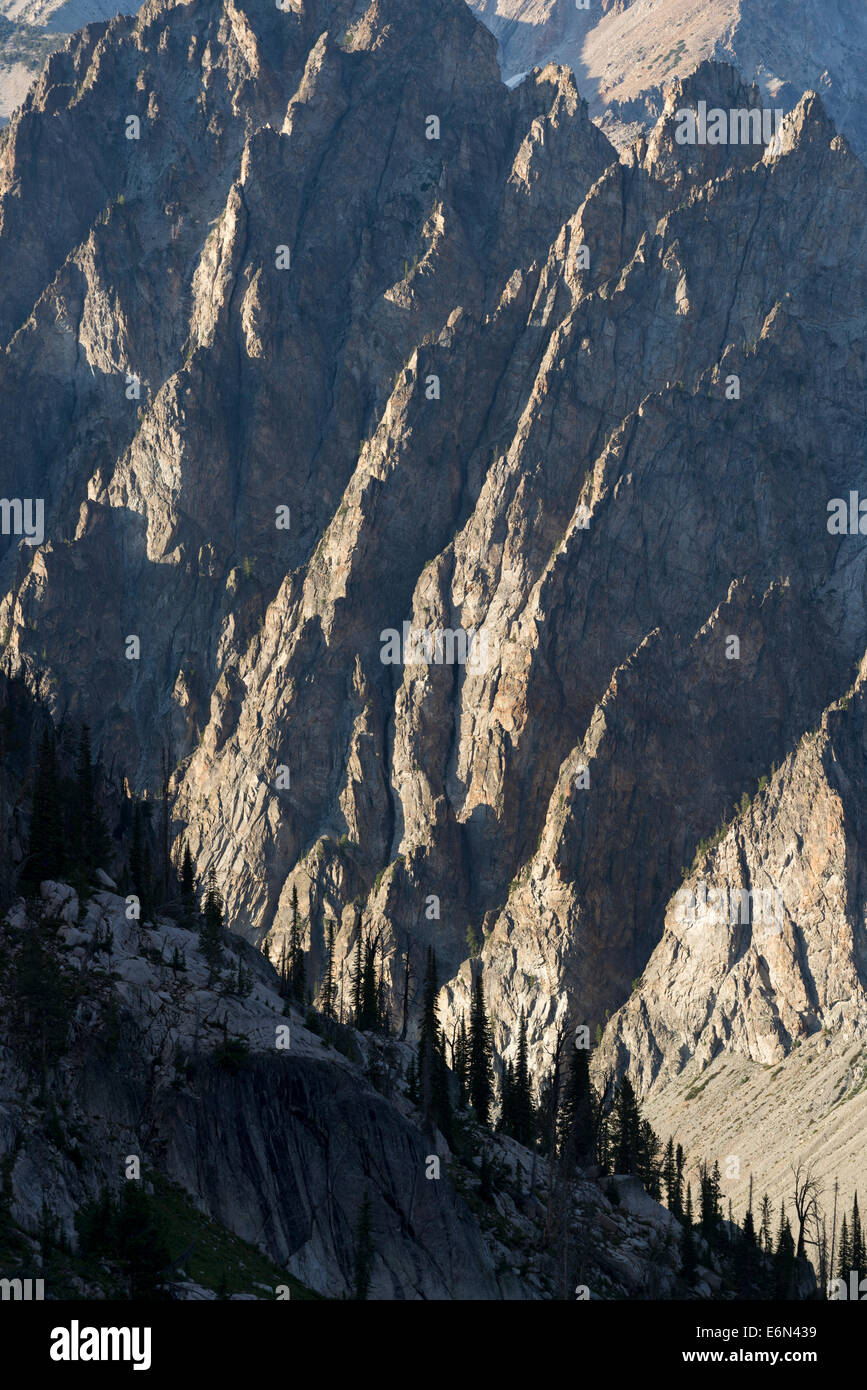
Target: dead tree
column 808, row 1190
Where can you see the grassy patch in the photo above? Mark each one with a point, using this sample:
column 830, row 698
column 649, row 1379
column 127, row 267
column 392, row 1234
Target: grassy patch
column 218, row 1259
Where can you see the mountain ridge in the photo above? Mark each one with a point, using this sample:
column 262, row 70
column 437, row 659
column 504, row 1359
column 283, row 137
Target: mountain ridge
column 506, row 381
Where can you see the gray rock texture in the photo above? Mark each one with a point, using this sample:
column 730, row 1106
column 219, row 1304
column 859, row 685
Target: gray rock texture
column 589, row 407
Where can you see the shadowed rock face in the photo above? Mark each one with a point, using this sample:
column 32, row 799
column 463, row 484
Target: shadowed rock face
column 281, row 1153
column 285, row 1146
column 591, row 409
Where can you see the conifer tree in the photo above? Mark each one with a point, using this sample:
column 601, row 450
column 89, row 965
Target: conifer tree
column 88, row 816
column 506, row 1120
column 297, row 969
column 669, row 1178
column 283, row 970
column 356, row 978
column 765, row 1227
column 857, row 1241
column 604, row 1147
column 576, row 1131
column 136, row 849
column 433, row 1083
column 648, row 1159
column 747, row 1259
column 689, row 1260
column 710, row 1217
column 147, row 894
column 243, row 981
column 481, row 1055
column 749, row 1227
column 412, row 1081
column 369, row 1017
column 785, row 1258
column 328, row 988
column 626, row 1138
column 46, row 858
column 523, row 1118
column 460, row 1062
column 211, row 925
column 187, row 887
column 845, row 1256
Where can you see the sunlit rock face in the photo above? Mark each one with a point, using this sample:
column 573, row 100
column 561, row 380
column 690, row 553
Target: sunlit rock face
column 445, row 494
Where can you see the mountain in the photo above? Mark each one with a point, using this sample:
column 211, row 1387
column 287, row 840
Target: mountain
column 258, row 1140
column 31, row 29
column 754, row 1030
column 624, row 51
column 326, row 337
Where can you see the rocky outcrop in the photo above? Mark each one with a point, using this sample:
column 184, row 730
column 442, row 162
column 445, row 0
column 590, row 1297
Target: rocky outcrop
column 275, row 1135
column 623, row 52
column 405, row 351
column 754, row 1001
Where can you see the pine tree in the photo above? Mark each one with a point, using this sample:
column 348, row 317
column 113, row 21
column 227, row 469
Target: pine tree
column 857, row 1239
column 283, row 970
column 648, row 1159
column 297, row 969
column 784, row 1259
column 765, row 1227
column 211, row 926
column 749, row 1227
column 412, row 1081
column 688, row 1257
column 576, row 1137
column 243, row 981
column 187, row 886
column 747, row 1260
column 46, row 858
column 679, row 1163
column 147, row 892
column 136, row 850
column 523, row 1118
column 604, row 1147
column 93, row 835
column 506, row 1119
column 460, row 1062
column 369, row 1018
column 709, row 1196
column 356, row 978
column 328, row 987
column 626, row 1137
column 845, row 1258
column 433, row 1081
column 669, row 1176
column 481, row 1056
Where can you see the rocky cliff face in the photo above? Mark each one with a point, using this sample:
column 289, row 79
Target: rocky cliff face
column 759, row 979
column 624, row 51
column 31, row 29
column 280, row 1148
column 314, row 330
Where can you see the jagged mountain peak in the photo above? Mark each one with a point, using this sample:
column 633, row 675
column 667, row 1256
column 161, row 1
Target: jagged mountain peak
column 443, row 494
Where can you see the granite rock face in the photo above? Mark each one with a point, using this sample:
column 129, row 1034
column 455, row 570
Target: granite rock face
column 349, row 341
column 623, row 52
column 283, row 1147
column 762, row 968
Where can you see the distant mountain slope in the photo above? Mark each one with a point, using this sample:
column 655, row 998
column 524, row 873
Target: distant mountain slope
column 754, row 1030
column 31, row 29
column 622, row 52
